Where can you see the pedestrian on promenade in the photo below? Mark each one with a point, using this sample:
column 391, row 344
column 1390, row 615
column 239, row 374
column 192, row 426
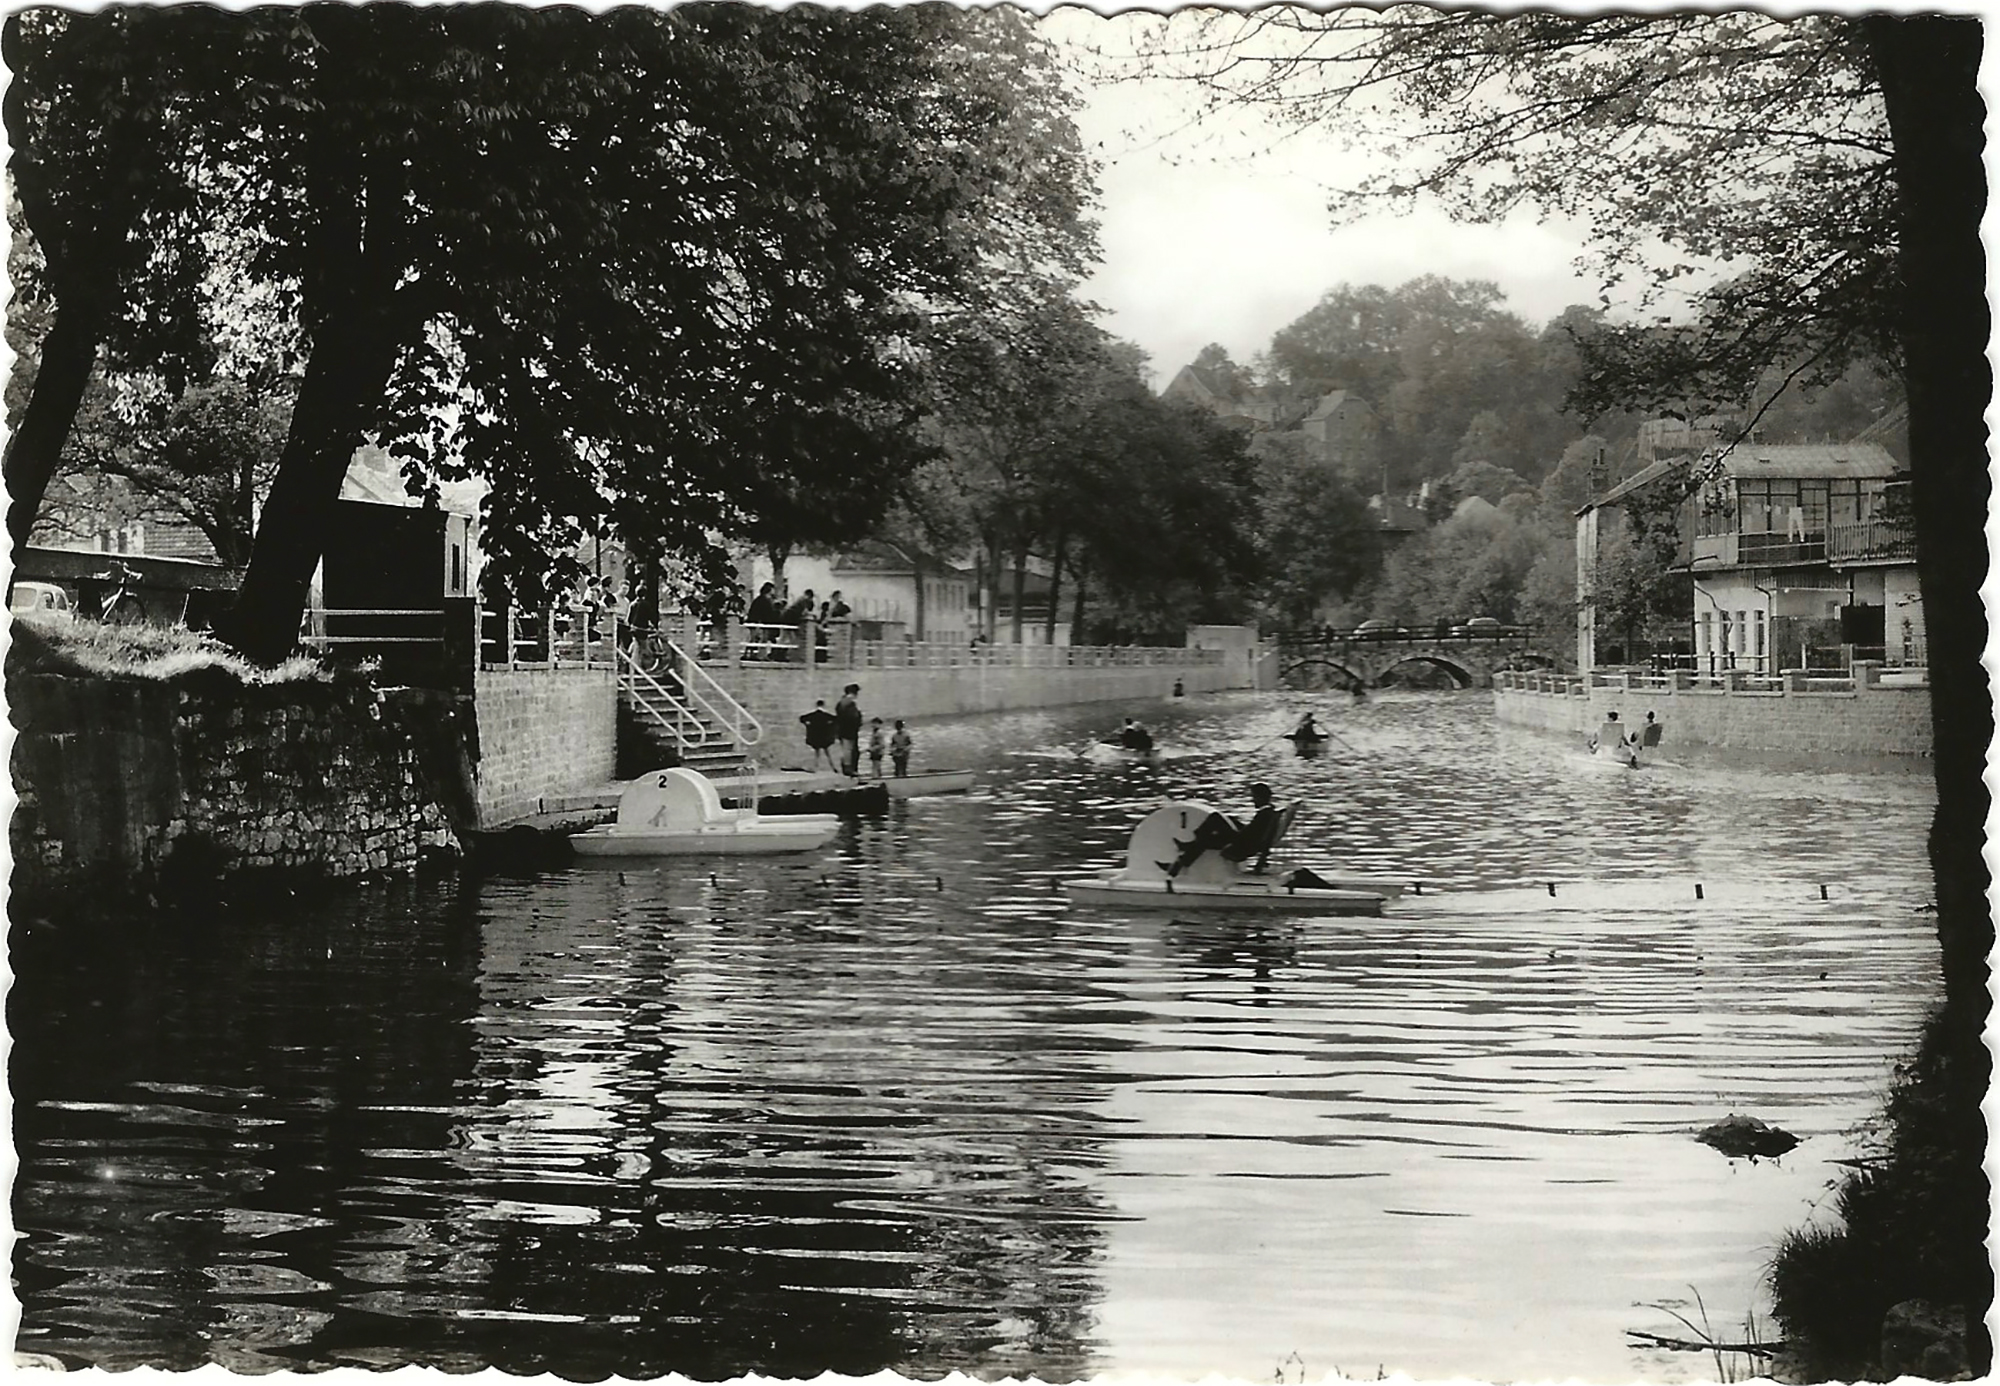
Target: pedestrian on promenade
column 847, row 728
column 875, row 749
column 899, row 749
column 819, row 725
column 763, row 609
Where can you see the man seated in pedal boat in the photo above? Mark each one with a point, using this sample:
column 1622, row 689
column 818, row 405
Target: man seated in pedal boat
column 1237, row 842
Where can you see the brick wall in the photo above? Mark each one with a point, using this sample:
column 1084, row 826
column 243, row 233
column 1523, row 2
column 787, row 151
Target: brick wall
column 130, row 787
column 1877, row 720
column 543, row 734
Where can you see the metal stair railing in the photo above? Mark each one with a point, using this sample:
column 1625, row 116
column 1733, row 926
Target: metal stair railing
column 736, row 725
column 741, row 724
column 658, row 702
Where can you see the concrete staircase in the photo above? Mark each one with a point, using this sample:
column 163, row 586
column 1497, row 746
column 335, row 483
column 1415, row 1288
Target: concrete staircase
column 670, row 717
column 651, row 739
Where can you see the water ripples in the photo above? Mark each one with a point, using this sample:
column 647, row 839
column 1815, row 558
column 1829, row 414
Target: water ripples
column 899, row 1105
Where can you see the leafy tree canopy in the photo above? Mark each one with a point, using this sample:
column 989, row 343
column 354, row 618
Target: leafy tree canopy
column 642, row 268
column 1686, row 141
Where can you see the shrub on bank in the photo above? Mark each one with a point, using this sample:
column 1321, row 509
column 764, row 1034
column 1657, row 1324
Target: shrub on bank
column 153, row 653
column 1912, row 1237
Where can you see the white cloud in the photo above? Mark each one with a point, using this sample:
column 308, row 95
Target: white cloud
column 1218, row 230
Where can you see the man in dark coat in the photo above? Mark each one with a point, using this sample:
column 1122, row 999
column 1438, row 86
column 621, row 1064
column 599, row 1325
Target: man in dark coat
column 847, row 727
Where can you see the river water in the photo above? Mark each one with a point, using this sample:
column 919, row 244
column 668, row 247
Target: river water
column 899, row 1105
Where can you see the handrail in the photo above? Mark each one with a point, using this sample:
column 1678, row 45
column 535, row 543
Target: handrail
column 741, row 723
column 638, row 682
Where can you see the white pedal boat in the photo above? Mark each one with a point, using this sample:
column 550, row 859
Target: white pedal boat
column 1212, row 881
column 929, row 782
column 677, row 813
column 1612, row 758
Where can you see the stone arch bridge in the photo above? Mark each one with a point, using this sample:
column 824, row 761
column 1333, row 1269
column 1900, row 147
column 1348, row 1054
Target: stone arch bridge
column 1328, row 658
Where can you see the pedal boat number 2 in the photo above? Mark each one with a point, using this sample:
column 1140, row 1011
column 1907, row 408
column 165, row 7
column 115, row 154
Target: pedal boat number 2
column 1212, row 881
column 678, row 813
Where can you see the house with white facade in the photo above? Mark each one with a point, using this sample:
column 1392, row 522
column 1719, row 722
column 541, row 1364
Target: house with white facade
column 1800, row 555
column 921, row 596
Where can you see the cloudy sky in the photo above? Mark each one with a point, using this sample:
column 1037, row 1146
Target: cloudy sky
column 1218, row 231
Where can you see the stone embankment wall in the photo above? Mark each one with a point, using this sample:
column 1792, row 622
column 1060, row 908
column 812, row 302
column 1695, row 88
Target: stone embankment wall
column 776, row 696
column 1867, row 719
column 544, row 734
column 161, row 787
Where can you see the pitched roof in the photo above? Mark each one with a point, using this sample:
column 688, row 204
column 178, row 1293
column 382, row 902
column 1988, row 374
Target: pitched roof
column 882, row 556
column 1788, row 460
column 1329, row 404
column 1638, row 481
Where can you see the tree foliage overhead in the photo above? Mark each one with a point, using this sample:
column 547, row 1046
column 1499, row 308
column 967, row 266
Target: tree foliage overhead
column 655, row 269
column 1685, row 141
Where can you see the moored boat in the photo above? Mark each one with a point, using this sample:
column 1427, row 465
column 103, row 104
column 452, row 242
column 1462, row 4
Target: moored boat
column 678, row 813
column 1212, row 881
column 929, row 782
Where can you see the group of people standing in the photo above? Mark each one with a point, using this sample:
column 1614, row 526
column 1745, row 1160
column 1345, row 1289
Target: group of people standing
column 767, row 609
column 840, row 731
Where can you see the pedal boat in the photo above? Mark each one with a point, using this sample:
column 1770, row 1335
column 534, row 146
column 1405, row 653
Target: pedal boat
column 1213, row 882
column 928, row 782
column 1612, row 758
column 677, row 813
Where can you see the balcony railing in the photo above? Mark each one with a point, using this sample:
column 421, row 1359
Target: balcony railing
column 1886, row 539
column 1780, row 547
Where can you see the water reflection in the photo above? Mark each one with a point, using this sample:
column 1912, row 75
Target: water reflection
column 898, row 1105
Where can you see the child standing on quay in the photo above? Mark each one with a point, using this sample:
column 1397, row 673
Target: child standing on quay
column 875, row 749
column 899, row 749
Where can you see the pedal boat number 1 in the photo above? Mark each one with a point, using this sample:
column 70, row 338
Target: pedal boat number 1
column 1212, row 881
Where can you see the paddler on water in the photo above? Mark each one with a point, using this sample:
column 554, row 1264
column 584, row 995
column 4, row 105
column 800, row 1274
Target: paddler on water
column 1133, row 736
column 1613, row 739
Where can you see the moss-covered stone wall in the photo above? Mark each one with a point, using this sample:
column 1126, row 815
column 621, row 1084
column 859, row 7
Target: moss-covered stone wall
column 146, row 787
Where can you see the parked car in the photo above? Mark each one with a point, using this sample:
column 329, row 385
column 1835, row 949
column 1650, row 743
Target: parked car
column 39, row 599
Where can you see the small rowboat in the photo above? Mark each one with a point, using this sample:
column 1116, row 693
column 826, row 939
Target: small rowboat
column 1212, row 881
column 678, row 813
column 929, row 782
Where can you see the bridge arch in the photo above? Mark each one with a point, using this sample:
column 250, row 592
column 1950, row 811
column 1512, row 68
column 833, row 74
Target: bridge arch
column 1460, row 674
column 1320, row 672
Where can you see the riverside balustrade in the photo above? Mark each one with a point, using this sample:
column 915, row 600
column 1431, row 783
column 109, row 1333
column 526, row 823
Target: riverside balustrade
column 840, row 645
column 1742, row 681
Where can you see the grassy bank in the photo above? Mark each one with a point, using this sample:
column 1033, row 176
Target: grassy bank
column 153, row 653
column 1913, row 1213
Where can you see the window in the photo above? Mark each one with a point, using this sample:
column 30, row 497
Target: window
column 1844, row 497
column 1753, row 500
column 1812, row 500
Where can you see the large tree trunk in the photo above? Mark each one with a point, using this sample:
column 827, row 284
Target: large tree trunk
column 68, row 354
column 1928, row 67
column 1020, row 589
column 352, row 357
column 1055, row 580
